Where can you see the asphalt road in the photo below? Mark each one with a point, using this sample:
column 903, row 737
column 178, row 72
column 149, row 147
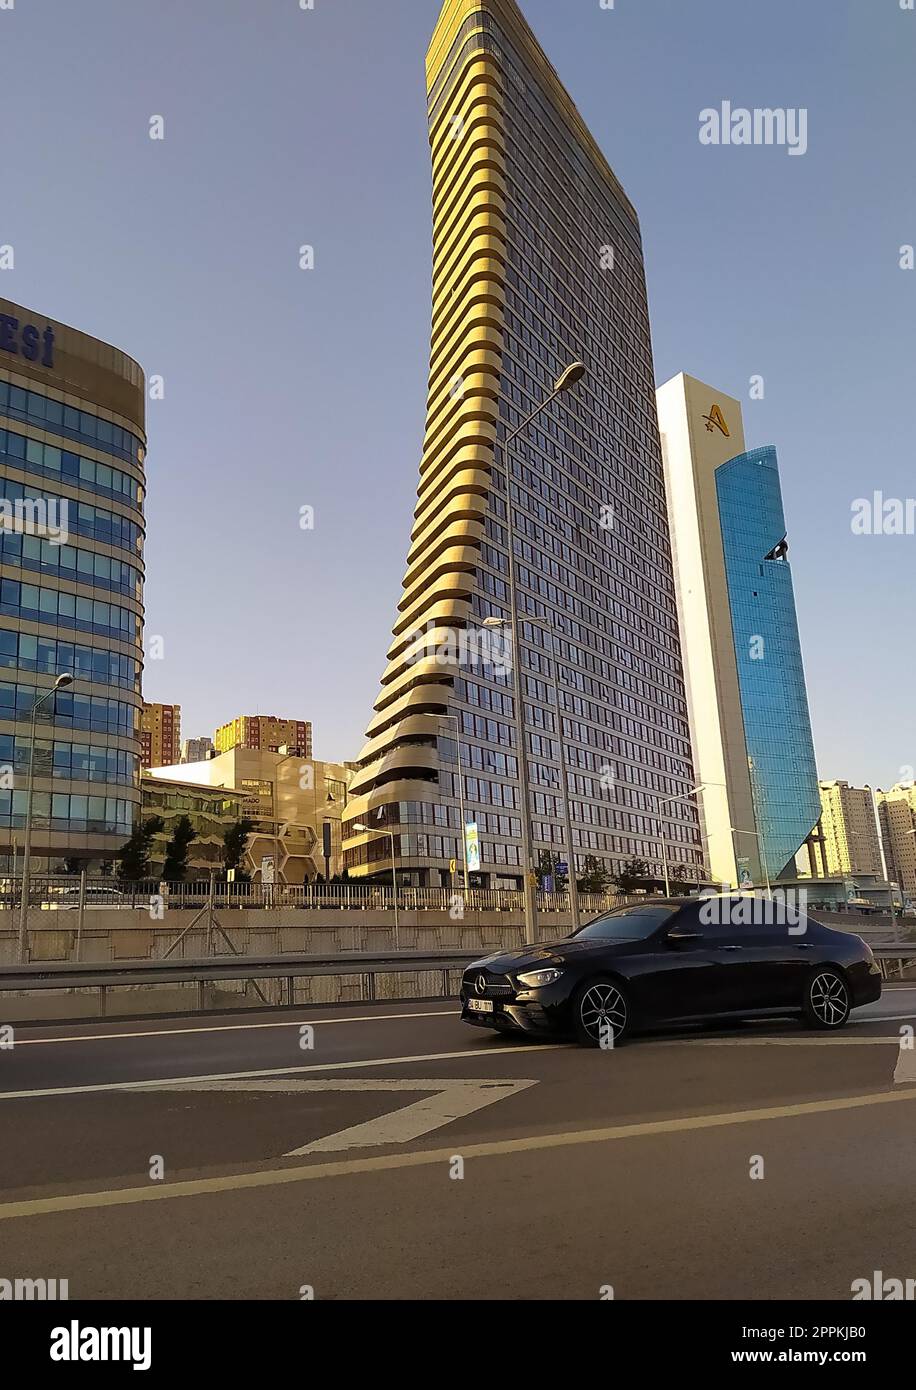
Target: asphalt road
column 396, row 1153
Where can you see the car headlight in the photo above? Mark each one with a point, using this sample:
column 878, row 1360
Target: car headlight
column 535, row 978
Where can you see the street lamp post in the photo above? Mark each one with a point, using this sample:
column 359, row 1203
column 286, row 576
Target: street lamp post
column 549, row 628
column 763, row 858
column 366, row 830
column 453, row 718
column 59, row 684
column 661, row 829
column 568, row 378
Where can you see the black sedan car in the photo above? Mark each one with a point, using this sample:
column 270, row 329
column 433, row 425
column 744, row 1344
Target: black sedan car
column 672, row 961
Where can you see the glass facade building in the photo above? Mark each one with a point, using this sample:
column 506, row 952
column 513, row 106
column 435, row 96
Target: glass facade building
column 537, row 262
column 753, row 748
column 72, row 448
column 771, row 677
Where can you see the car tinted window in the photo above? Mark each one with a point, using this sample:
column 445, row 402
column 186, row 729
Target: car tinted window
column 705, row 919
column 627, row 923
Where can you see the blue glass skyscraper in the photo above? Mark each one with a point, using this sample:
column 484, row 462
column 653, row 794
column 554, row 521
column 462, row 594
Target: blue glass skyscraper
column 771, row 677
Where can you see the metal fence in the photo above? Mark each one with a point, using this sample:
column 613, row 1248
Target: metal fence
column 63, row 893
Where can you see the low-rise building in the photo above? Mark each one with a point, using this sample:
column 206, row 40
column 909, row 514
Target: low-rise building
column 290, row 799
column 211, row 811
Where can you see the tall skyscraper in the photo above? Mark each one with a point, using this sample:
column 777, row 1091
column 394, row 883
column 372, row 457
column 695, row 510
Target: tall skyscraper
column 160, row 734
column 897, row 818
column 72, row 449
column 537, row 262
column 850, row 830
column 753, row 748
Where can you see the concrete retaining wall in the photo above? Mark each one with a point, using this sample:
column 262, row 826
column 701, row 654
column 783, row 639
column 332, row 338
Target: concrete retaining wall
column 128, row 934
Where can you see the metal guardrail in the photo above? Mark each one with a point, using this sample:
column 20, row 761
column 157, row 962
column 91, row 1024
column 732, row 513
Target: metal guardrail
column 70, row 975
column 904, row 954
column 78, row 975
column 26, row 979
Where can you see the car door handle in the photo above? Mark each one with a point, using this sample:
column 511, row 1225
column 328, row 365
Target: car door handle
column 730, row 948
column 803, row 945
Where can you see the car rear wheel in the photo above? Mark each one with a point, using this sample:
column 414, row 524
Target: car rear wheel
column 601, row 1013
column 827, row 1000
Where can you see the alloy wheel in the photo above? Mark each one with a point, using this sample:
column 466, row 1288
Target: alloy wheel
column 829, row 998
column 603, row 1004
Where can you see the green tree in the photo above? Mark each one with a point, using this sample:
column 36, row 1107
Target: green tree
column 633, row 875
column 595, row 877
column 176, row 853
column 679, row 879
column 133, row 864
column 545, row 867
column 235, row 838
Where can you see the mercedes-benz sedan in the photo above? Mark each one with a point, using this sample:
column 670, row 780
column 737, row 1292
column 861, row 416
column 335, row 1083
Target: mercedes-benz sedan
column 674, row 961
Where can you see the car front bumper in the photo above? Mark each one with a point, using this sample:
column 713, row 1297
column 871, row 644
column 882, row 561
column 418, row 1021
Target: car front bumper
column 543, row 1012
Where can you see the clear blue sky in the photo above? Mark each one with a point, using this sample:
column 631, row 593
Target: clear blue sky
column 287, row 388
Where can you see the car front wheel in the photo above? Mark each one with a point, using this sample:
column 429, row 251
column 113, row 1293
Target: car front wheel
column 827, row 1001
column 601, row 1014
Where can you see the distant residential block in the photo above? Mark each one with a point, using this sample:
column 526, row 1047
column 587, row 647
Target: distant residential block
column 160, row 734
column 194, row 750
column 265, row 731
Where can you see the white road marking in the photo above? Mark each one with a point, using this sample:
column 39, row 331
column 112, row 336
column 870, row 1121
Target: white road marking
column 831, row 1041
column 233, row 1027
column 905, row 1070
column 451, row 1100
column 278, row 1177
column 881, row 1018
column 364, row 1063
column 356, row 1018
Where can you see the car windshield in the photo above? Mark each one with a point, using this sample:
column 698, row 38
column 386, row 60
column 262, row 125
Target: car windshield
column 627, row 923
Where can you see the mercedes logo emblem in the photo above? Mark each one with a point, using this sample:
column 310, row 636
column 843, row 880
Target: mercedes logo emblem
column 481, row 984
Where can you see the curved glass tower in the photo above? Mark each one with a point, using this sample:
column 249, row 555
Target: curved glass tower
column 771, row 677
column 72, row 446
column 537, row 262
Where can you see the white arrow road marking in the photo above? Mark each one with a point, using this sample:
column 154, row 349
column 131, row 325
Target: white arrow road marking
column 450, row 1100
column 905, row 1070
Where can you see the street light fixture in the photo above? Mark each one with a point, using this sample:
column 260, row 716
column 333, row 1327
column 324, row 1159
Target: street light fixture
column 367, row 830
column 567, row 378
column 62, row 680
column 661, row 830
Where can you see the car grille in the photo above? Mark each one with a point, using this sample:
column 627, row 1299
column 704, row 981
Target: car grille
column 497, row 986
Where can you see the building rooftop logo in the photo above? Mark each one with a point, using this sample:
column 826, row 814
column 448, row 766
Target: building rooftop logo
column 716, row 420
